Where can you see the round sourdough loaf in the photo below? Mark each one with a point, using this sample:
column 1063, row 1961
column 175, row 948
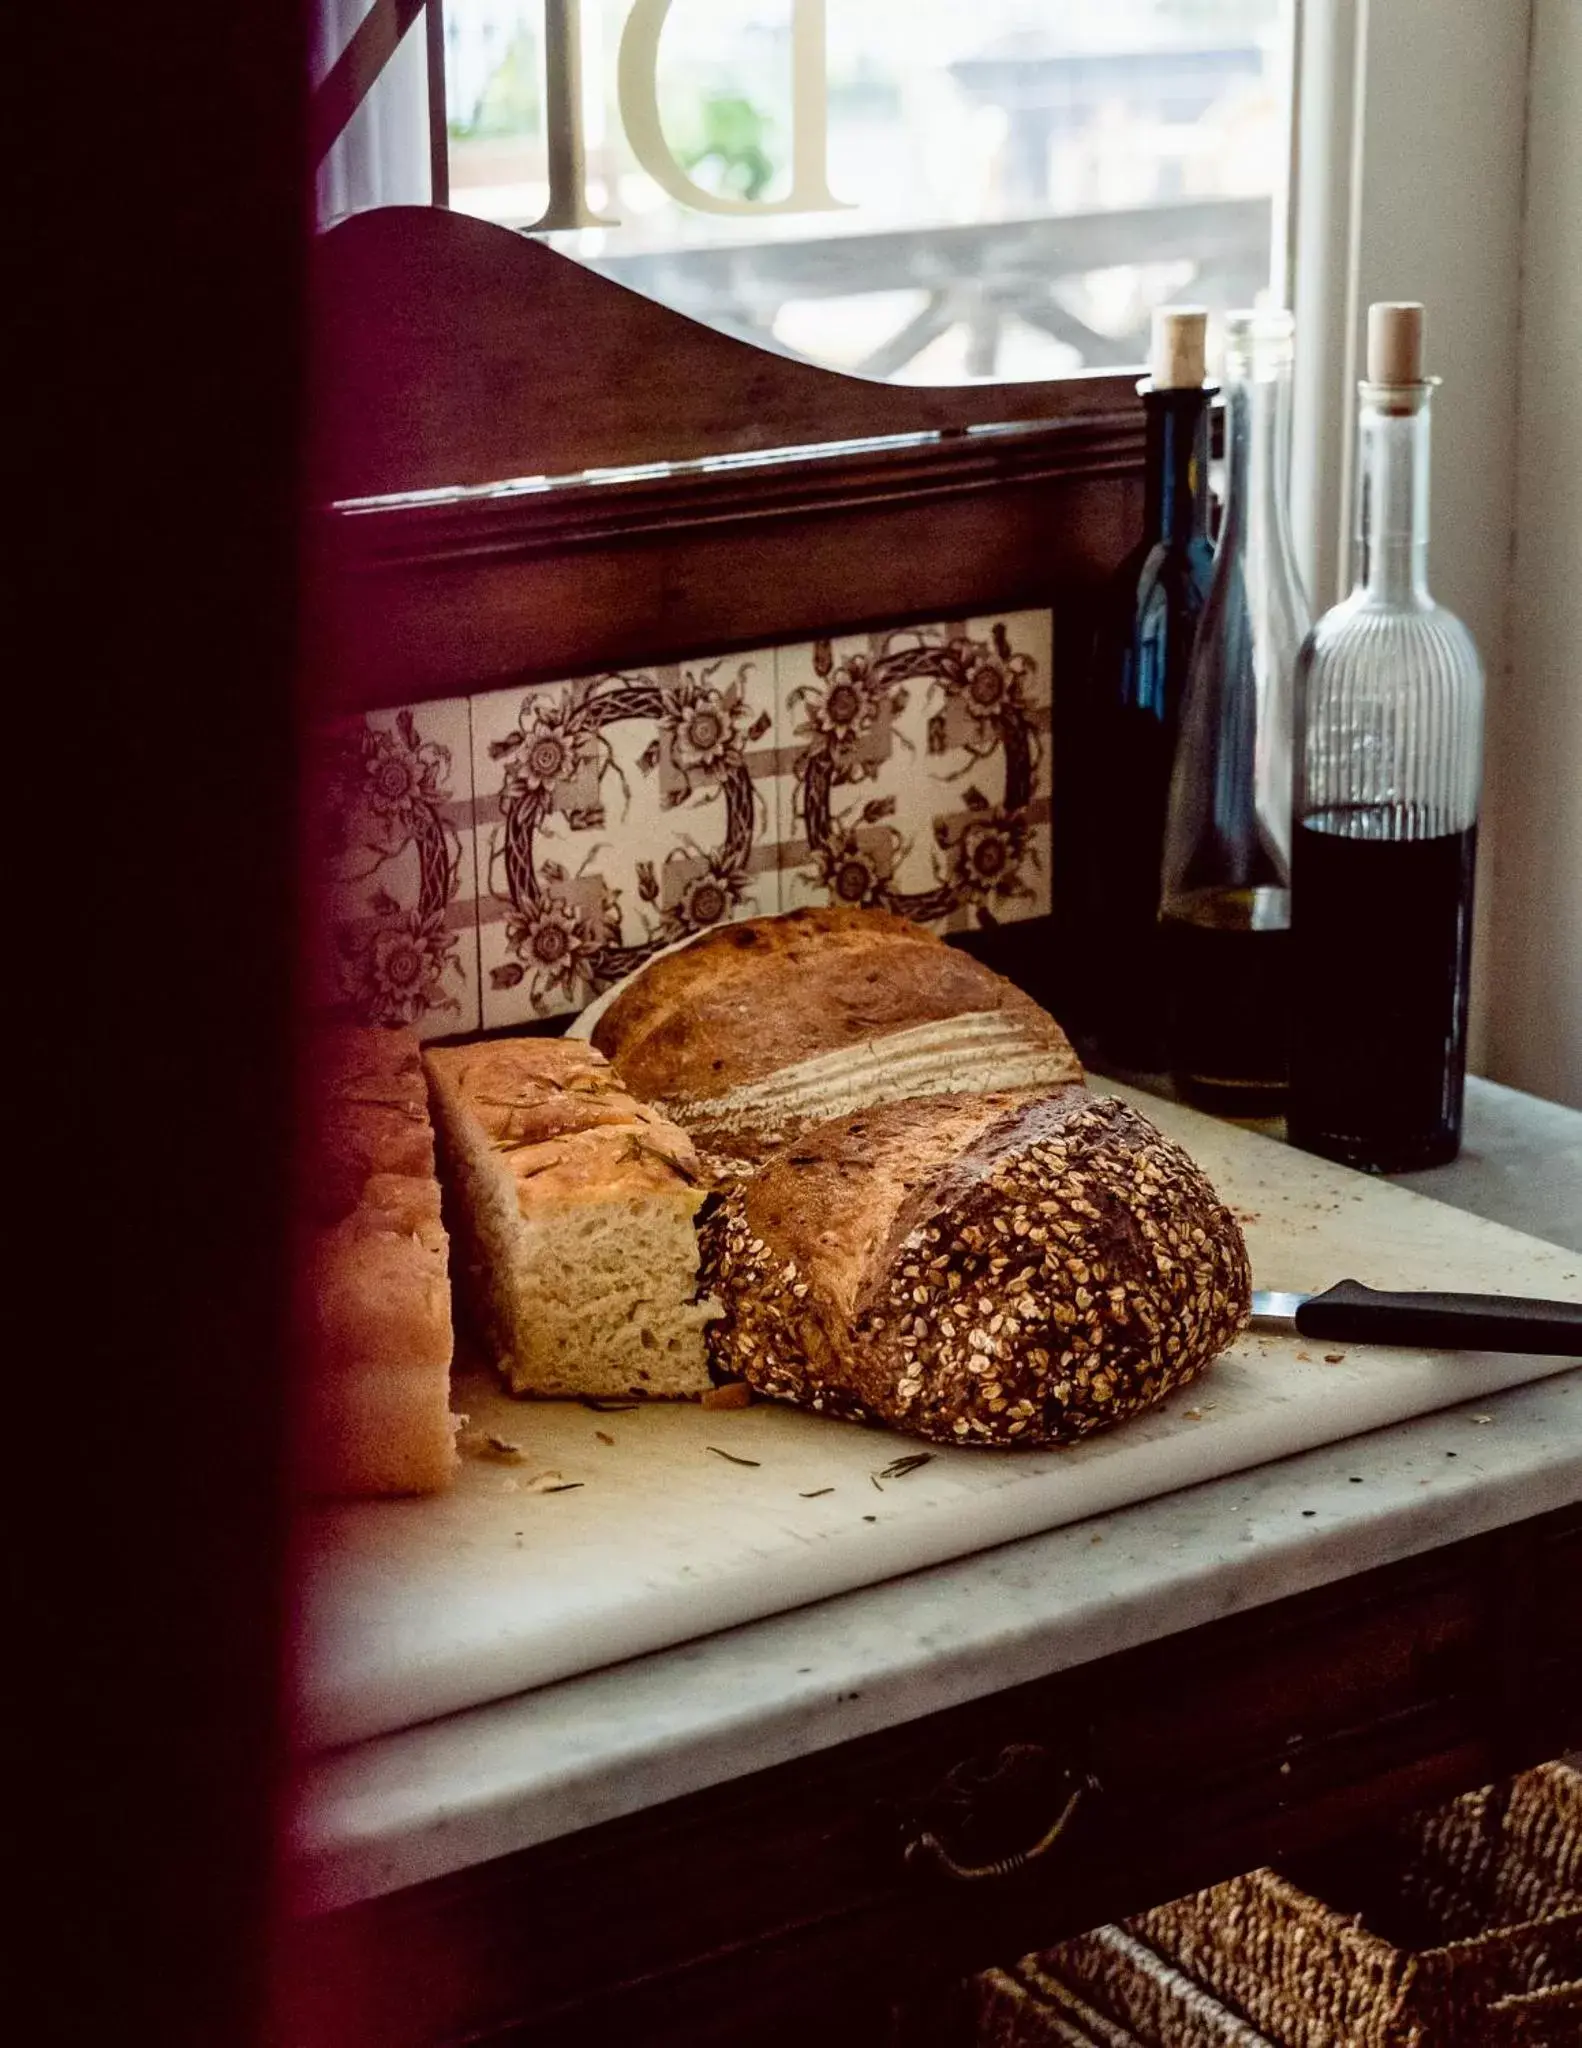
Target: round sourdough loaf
column 976, row 1269
column 759, row 1028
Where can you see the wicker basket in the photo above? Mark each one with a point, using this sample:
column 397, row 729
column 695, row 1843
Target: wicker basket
column 1464, row 1930
column 1427, row 1957
column 1116, row 1989
column 1499, row 1857
column 1011, row 2013
column 1538, row 2019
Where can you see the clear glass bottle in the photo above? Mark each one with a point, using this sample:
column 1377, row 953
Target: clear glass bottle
column 1388, row 781
column 1225, row 882
column 1150, row 616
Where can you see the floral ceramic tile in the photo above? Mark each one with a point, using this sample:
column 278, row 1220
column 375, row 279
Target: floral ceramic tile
column 397, row 934
column 920, row 771
column 615, row 815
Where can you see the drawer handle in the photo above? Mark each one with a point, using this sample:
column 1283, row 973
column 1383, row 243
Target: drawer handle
column 928, row 1847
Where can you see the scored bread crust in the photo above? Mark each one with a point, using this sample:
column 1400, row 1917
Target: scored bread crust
column 762, row 1026
column 576, row 1203
column 377, row 1415
column 988, row 1269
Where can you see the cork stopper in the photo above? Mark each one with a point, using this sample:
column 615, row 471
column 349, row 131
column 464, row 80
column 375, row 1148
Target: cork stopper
column 1395, row 342
column 1177, row 359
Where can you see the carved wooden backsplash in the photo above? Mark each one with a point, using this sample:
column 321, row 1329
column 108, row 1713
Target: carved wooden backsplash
column 529, row 473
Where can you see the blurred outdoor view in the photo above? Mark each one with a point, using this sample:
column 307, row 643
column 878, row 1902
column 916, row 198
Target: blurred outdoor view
column 1023, row 179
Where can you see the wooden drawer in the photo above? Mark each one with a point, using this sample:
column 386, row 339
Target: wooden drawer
column 788, row 1901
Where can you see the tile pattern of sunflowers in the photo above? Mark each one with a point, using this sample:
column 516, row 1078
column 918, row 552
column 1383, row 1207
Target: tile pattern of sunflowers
column 493, row 860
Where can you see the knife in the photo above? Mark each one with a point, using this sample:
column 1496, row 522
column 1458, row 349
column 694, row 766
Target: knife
column 1350, row 1313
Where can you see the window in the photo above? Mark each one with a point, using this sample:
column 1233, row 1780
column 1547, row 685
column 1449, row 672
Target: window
column 1001, row 188
column 1015, row 184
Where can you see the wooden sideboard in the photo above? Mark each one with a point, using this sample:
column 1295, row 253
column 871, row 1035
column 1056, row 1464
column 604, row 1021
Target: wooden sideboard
column 535, row 473
column 802, row 1903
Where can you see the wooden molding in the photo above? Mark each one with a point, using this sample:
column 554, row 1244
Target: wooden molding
column 525, row 471
column 452, row 352
column 428, row 601
column 535, row 516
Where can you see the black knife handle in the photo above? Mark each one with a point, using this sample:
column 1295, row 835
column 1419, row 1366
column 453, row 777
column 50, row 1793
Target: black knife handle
column 1350, row 1313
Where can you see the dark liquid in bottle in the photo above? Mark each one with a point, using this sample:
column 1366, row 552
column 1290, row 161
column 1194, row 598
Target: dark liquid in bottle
column 1226, row 957
column 1126, row 1025
column 1117, row 793
column 1383, row 943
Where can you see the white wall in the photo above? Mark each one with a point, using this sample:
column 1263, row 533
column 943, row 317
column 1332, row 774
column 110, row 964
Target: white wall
column 1533, row 884
column 1411, row 140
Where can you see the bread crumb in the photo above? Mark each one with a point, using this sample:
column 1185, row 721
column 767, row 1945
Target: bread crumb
column 1333, row 1357
column 480, row 1443
column 734, row 1394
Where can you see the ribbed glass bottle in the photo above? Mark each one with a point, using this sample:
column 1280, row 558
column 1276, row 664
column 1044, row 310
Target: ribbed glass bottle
column 1388, row 773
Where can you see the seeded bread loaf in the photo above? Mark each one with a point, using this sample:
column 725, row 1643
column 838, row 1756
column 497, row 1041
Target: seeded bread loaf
column 759, row 1028
column 976, row 1269
column 377, row 1400
column 576, row 1207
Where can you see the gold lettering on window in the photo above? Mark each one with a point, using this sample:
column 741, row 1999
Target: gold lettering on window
column 637, row 88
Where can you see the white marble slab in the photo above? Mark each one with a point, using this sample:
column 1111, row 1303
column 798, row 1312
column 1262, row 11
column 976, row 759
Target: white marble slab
column 683, row 1522
column 434, row 1799
column 1520, row 1163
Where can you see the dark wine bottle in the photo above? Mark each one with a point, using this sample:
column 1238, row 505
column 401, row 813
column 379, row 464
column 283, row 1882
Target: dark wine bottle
column 1389, row 764
column 1150, row 614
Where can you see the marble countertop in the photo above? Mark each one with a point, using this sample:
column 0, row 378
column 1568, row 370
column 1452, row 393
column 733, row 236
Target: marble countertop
column 436, row 1798
column 1521, row 1164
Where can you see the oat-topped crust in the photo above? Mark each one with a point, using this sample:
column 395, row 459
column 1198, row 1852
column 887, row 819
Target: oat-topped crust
column 983, row 1270
column 749, row 998
column 556, row 1110
column 843, row 1195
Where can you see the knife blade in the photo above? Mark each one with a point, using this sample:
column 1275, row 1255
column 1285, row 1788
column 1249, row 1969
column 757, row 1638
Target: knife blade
column 1349, row 1313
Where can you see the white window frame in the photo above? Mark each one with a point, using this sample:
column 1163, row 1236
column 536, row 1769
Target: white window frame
column 1408, row 154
